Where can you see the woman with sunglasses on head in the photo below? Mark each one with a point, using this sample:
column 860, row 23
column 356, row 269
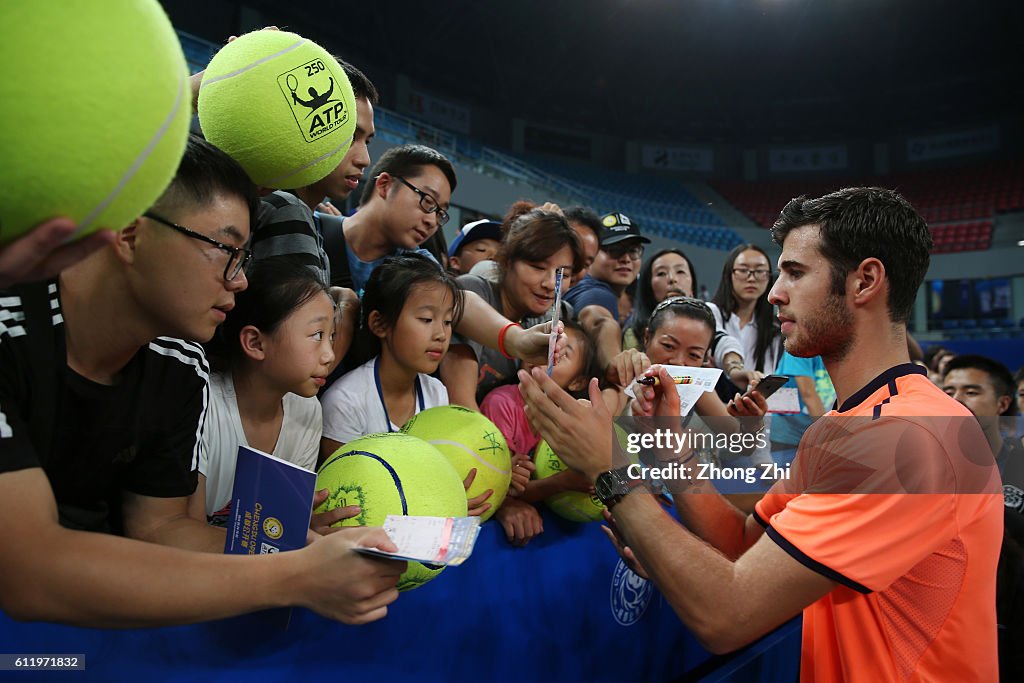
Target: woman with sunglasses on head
column 741, row 309
column 679, row 332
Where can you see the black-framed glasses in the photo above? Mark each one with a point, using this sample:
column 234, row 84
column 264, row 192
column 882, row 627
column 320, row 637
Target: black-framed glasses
column 635, row 253
column 238, row 258
column 758, row 273
column 427, row 203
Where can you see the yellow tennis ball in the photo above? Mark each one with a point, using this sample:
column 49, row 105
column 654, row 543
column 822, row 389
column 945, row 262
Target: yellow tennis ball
column 95, row 115
column 574, row 506
column 281, row 105
column 468, row 439
column 392, row 474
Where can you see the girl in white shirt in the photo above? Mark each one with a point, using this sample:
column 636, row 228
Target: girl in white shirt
column 409, row 309
column 271, row 356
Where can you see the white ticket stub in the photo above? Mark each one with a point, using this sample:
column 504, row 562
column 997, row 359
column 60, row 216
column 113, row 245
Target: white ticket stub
column 436, row 540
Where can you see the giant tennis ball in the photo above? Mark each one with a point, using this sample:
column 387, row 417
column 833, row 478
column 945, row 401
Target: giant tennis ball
column 280, row 105
column 95, row 115
column 468, row 440
column 392, row 474
column 576, row 506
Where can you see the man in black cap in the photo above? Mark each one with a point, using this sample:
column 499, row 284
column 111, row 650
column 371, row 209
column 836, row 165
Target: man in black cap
column 477, row 241
column 596, row 296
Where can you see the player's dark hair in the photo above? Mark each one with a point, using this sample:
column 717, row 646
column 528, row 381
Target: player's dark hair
column 866, row 222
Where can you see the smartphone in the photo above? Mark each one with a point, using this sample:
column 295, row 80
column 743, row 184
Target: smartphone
column 769, row 384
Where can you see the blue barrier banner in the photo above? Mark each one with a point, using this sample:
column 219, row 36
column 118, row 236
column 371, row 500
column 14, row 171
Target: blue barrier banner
column 563, row 609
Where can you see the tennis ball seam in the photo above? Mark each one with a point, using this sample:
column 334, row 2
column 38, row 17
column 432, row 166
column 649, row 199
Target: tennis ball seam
column 253, row 65
column 318, row 160
column 139, row 162
column 386, row 465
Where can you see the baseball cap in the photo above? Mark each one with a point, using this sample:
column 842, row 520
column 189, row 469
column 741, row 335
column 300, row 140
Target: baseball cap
column 471, row 232
column 617, row 227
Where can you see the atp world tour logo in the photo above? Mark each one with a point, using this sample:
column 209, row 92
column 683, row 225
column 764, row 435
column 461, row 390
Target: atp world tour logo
column 630, row 595
column 313, row 94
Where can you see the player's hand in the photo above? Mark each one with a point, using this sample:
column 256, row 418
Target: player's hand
column 520, row 520
column 323, row 523
column 625, row 366
column 43, row 252
column 579, row 431
column 478, row 505
column 338, row 583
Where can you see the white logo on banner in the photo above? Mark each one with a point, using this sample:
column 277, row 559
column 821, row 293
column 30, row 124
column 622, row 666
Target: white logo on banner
column 630, row 595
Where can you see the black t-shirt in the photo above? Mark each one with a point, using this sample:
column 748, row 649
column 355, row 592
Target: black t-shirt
column 141, row 435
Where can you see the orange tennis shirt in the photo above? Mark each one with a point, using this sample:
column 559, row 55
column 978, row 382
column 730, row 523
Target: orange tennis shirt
column 916, row 571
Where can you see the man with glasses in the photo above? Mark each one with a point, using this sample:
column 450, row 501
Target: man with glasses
column 403, row 204
column 103, row 396
column 596, row 296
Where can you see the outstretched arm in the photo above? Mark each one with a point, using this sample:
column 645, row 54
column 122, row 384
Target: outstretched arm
column 48, row 572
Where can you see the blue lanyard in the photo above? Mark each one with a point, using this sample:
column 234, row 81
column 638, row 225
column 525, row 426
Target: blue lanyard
column 380, row 393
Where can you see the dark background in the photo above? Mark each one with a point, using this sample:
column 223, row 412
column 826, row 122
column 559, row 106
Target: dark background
column 714, row 71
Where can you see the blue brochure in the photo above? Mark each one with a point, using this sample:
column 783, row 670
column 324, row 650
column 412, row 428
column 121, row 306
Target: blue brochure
column 270, row 505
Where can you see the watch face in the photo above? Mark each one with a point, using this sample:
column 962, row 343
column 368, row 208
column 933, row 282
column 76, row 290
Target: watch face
column 609, row 484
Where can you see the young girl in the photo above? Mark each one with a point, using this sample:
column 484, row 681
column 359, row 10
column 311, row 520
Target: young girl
column 408, row 311
column 504, row 406
column 271, row 356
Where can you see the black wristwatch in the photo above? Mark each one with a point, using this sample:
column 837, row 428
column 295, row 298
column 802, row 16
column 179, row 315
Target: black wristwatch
column 614, row 485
